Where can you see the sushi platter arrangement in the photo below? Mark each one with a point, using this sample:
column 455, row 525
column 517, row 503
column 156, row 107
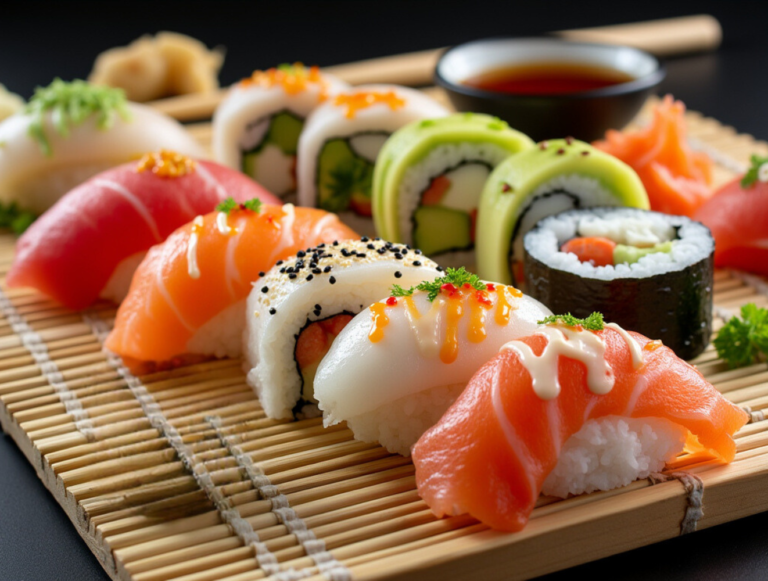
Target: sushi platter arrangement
column 343, row 331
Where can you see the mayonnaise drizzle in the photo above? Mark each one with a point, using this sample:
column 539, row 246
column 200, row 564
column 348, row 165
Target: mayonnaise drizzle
column 426, row 327
column 583, row 346
column 634, row 348
column 222, row 223
column 192, row 268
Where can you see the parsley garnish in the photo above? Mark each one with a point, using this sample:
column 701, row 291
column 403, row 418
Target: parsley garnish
column 744, row 341
column 352, row 176
column 13, row 217
column 753, row 173
column 593, row 322
column 71, row 104
column 458, row 277
column 229, row 205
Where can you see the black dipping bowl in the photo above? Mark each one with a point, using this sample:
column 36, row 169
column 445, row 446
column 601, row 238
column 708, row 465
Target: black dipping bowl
column 585, row 115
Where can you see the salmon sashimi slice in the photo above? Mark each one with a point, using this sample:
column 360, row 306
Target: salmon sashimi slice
column 74, row 249
column 678, row 180
column 170, row 300
column 491, row 452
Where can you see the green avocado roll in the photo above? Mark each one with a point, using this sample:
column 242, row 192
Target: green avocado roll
column 554, row 176
column 428, row 179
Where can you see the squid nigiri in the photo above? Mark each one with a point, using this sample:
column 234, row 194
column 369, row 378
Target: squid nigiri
column 188, row 295
column 114, row 218
column 398, row 365
column 568, row 410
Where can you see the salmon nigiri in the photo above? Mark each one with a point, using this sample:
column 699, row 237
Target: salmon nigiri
column 90, row 242
column 565, row 411
column 188, row 295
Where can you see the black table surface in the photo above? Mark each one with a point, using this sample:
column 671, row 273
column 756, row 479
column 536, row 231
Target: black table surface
column 41, row 40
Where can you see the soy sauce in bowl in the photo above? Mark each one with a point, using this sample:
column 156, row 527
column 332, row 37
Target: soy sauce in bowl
column 547, row 78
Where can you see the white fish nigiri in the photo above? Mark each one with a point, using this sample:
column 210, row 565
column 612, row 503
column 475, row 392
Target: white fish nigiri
column 72, row 131
column 398, row 365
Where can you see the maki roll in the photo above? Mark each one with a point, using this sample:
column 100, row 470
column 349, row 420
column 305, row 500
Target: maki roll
column 399, row 364
column 554, row 176
column 299, row 307
column 647, row 271
column 341, row 141
column 429, row 177
column 69, row 132
column 256, row 128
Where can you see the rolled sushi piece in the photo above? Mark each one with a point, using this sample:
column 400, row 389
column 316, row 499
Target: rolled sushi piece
column 647, row 271
column 69, row 132
column 552, row 177
column 399, row 364
column 341, row 142
column 114, row 218
column 256, row 128
column 297, row 310
column 429, row 177
column 188, row 295
column 568, row 410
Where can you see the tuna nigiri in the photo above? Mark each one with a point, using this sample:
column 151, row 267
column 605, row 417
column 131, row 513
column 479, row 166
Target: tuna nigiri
column 737, row 215
column 676, row 178
column 188, row 295
column 535, row 407
column 113, row 219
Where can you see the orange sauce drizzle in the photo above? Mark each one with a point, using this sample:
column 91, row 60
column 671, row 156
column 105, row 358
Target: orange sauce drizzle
column 380, row 320
column 503, row 308
column 653, row 345
column 293, row 79
column 166, row 164
column 411, row 306
column 450, row 349
column 478, row 305
column 364, row 99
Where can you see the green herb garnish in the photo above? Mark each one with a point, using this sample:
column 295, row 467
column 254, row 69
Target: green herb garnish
column 71, row 104
column 350, row 177
column 593, row 322
column 743, row 341
column 229, row 205
column 753, row 174
column 458, row 277
column 13, row 217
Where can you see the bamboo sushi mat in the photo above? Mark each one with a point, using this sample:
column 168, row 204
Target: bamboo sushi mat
column 178, row 474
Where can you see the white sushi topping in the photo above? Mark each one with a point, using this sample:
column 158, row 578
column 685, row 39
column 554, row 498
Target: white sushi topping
column 583, row 346
column 192, row 268
column 640, row 232
column 634, row 347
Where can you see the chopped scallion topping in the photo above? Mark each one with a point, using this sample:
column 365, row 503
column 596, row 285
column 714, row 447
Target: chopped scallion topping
column 229, row 205
column 593, row 322
column 457, row 277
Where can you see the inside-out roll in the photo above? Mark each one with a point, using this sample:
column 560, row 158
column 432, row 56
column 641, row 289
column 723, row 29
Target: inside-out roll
column 398, row 365
column 552, row 177
column 429, row 177
column 297, row 309
column 341, row 141
column 657, row 278
column 256, row 128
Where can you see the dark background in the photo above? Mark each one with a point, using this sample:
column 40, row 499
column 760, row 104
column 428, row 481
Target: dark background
column 42, row 40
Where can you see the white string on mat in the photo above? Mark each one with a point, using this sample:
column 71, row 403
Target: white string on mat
column 315, row 548
column 229, row 514
column 694, row 488
column 718, row 156
column 754, row 416
column 34, row 343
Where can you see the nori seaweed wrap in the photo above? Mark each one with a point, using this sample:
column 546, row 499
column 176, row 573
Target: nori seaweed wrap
column 664, row 290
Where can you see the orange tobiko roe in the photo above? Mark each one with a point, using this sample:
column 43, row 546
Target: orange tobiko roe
column 678, row 180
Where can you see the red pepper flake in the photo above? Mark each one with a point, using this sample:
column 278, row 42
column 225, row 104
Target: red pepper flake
column 560, row 151
column 482, row 298
column 391, row 301
column 505, row 187
column 449, row 289
column 489, row 286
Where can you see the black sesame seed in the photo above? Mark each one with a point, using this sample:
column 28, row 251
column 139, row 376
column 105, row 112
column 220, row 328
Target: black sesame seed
column 291, row 276
column 265, row 289
column 310, row 276
column 335, row 242
column 321, row 245
column 398, row 255
column 290, row 270
column 332, row 280
column 272, row 311
column 361, row 254
column 316, row 271
column 317, row 313
column 279, row 262
column 405, row 251
column 376, row 239
column 327, row 269
column 416, row 263
column 439, row 269
column 318, row 308
column 313, row 264
column 398, row 274
column 364, row 239
column 417, row 251
column 371, row 247
column 261, row 273
column 282, row 270
column 382, row 250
